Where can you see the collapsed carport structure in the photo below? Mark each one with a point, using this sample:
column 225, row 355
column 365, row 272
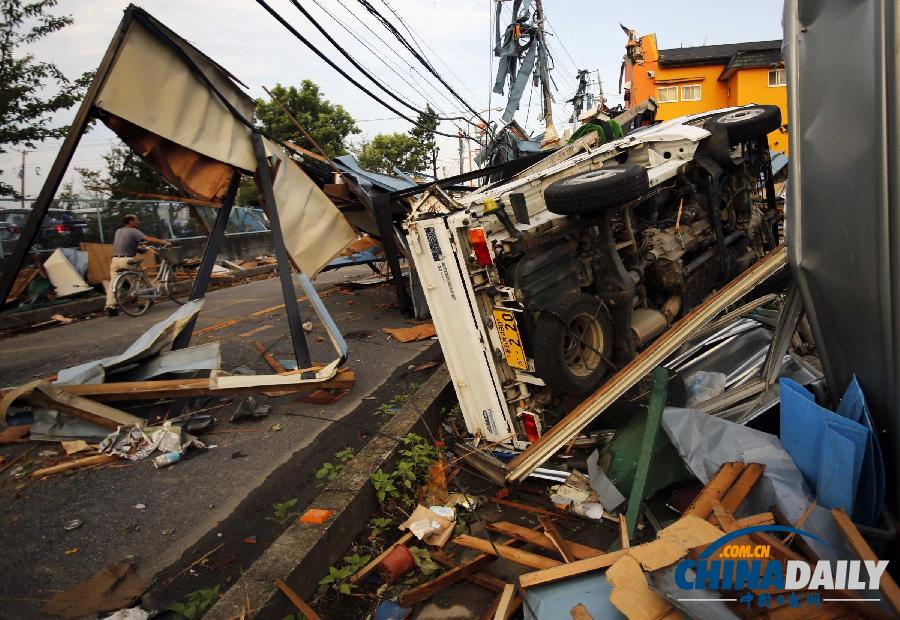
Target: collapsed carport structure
column 190, row 120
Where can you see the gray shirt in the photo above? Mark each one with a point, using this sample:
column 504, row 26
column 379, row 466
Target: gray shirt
column 126, row 241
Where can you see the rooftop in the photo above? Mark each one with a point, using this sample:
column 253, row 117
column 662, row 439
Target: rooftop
column 713, row 54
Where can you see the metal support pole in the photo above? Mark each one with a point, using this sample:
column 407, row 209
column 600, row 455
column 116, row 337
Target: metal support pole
column 382, row 206
column 295, row 323
column 100, row 222
column 210, row 253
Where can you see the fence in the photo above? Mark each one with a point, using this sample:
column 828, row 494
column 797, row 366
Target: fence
column 72, row 221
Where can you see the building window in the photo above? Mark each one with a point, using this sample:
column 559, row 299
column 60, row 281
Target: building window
column 690, row 93
column 667, row 94
column 777, row 77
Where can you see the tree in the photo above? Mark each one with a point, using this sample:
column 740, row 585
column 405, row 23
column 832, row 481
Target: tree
column 387, row 150
column 328, row 124
column 423, row 134
column 25, row 112
column 126, row 174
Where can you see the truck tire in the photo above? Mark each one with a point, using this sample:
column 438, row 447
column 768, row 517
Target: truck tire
column 597, row 190
column 750, row 122
column 573, row 341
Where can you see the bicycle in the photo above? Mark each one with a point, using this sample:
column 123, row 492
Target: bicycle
column 135, row 293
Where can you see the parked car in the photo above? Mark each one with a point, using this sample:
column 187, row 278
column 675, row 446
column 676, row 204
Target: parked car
column 60, row 229
column 543, row 285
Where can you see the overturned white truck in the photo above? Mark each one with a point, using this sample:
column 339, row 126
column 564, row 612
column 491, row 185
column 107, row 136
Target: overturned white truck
column 542, row 284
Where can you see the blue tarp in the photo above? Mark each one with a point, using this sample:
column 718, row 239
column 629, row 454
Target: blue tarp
column 837, row 452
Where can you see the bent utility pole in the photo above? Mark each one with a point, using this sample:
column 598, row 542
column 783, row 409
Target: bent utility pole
column 551, row 138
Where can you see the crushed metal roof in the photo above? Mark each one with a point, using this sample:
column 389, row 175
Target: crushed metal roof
column 750, row 59
column 712, row 54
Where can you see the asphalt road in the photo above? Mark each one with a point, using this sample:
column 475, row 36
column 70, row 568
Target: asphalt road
column 187, row 503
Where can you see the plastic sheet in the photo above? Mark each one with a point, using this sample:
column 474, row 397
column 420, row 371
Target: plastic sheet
column 706, row 442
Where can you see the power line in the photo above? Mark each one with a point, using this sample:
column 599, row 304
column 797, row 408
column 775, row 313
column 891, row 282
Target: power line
column 334, row 66
column 415, row 35
column 362, row 69
column 379, row 56
column 387, row 45
column 424, row 61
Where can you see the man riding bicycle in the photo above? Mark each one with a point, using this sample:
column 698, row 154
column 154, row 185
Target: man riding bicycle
column 125, row 248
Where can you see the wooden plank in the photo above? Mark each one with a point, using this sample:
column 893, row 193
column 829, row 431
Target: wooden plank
column 520, row 532
column 613, row 388
column 454, row 575
column 483, row 580
column 505, row 602
column 53, row 397
column 735, row 496
column 725, row 519
column 368, row 568
column 564, row 571
column 512, row 554
column 298, row 602
column 560, row 544
column 859, row 545
column 541, row 511
column 273, row 363
column 188, row 388
column 624, row 539
column 715, row 489
column 658, row 390
column 100, row 256
column 580, row 612
column 763, row 518
column 97, row 459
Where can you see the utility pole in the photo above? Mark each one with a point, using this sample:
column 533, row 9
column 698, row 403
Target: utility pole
column 551, row 138
column 461, row 141
column 22, row 178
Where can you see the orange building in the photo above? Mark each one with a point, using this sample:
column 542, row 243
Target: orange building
column 688, row 80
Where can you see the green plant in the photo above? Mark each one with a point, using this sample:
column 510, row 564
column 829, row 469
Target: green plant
column 396, row 402
column 329, row 471
column 283, row 513
column 384, row 485
column 418, row 452
column 379, row 525
column 196, row 603
column 404, row 478
column 338, row 577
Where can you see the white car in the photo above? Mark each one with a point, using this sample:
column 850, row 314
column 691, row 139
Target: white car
column 541, row 285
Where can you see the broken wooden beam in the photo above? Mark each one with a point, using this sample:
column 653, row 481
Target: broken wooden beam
column 525, row 558
column 505, row 603
column 859, row 545
column 524, row 534
column 735, row 496
column 97, row 459
column 301, row 605
column 559, row 543
column 190, row 388
column 714, row 490
column 564, row 571
column 273, row 363
column 613, row 388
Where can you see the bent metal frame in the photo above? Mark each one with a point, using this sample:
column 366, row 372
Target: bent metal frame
column 86, row 113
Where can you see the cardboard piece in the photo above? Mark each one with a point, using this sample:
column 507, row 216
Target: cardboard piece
column 632, row 595
column 112, row 588
column 422, row 516
column 411, row 334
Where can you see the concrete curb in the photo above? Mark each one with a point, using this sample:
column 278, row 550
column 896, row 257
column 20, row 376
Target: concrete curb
column 79, row 307
column 303, row 553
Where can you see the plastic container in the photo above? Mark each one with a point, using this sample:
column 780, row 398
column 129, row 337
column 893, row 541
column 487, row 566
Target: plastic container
column 396, row 564
column 164, row 460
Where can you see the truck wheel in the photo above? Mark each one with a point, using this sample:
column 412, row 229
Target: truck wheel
column 573, row 339
column 597, row 190
column 750, row 122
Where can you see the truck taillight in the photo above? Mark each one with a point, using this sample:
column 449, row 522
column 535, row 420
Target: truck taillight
column 530, row 424
column 61, row 228
column 479, row 243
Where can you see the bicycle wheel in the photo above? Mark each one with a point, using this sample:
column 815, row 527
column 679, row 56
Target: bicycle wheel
column 179, row 283
column 133, row 293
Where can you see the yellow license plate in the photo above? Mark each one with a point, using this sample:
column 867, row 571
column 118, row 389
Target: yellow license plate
column 510, row 339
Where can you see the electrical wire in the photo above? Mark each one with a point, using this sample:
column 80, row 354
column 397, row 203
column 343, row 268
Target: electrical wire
column 363, row 70
column 376, row 54
column 334, row 66
column 424, row 61
column 388, row 46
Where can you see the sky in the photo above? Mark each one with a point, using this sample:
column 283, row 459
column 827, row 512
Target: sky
column 456, row 36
